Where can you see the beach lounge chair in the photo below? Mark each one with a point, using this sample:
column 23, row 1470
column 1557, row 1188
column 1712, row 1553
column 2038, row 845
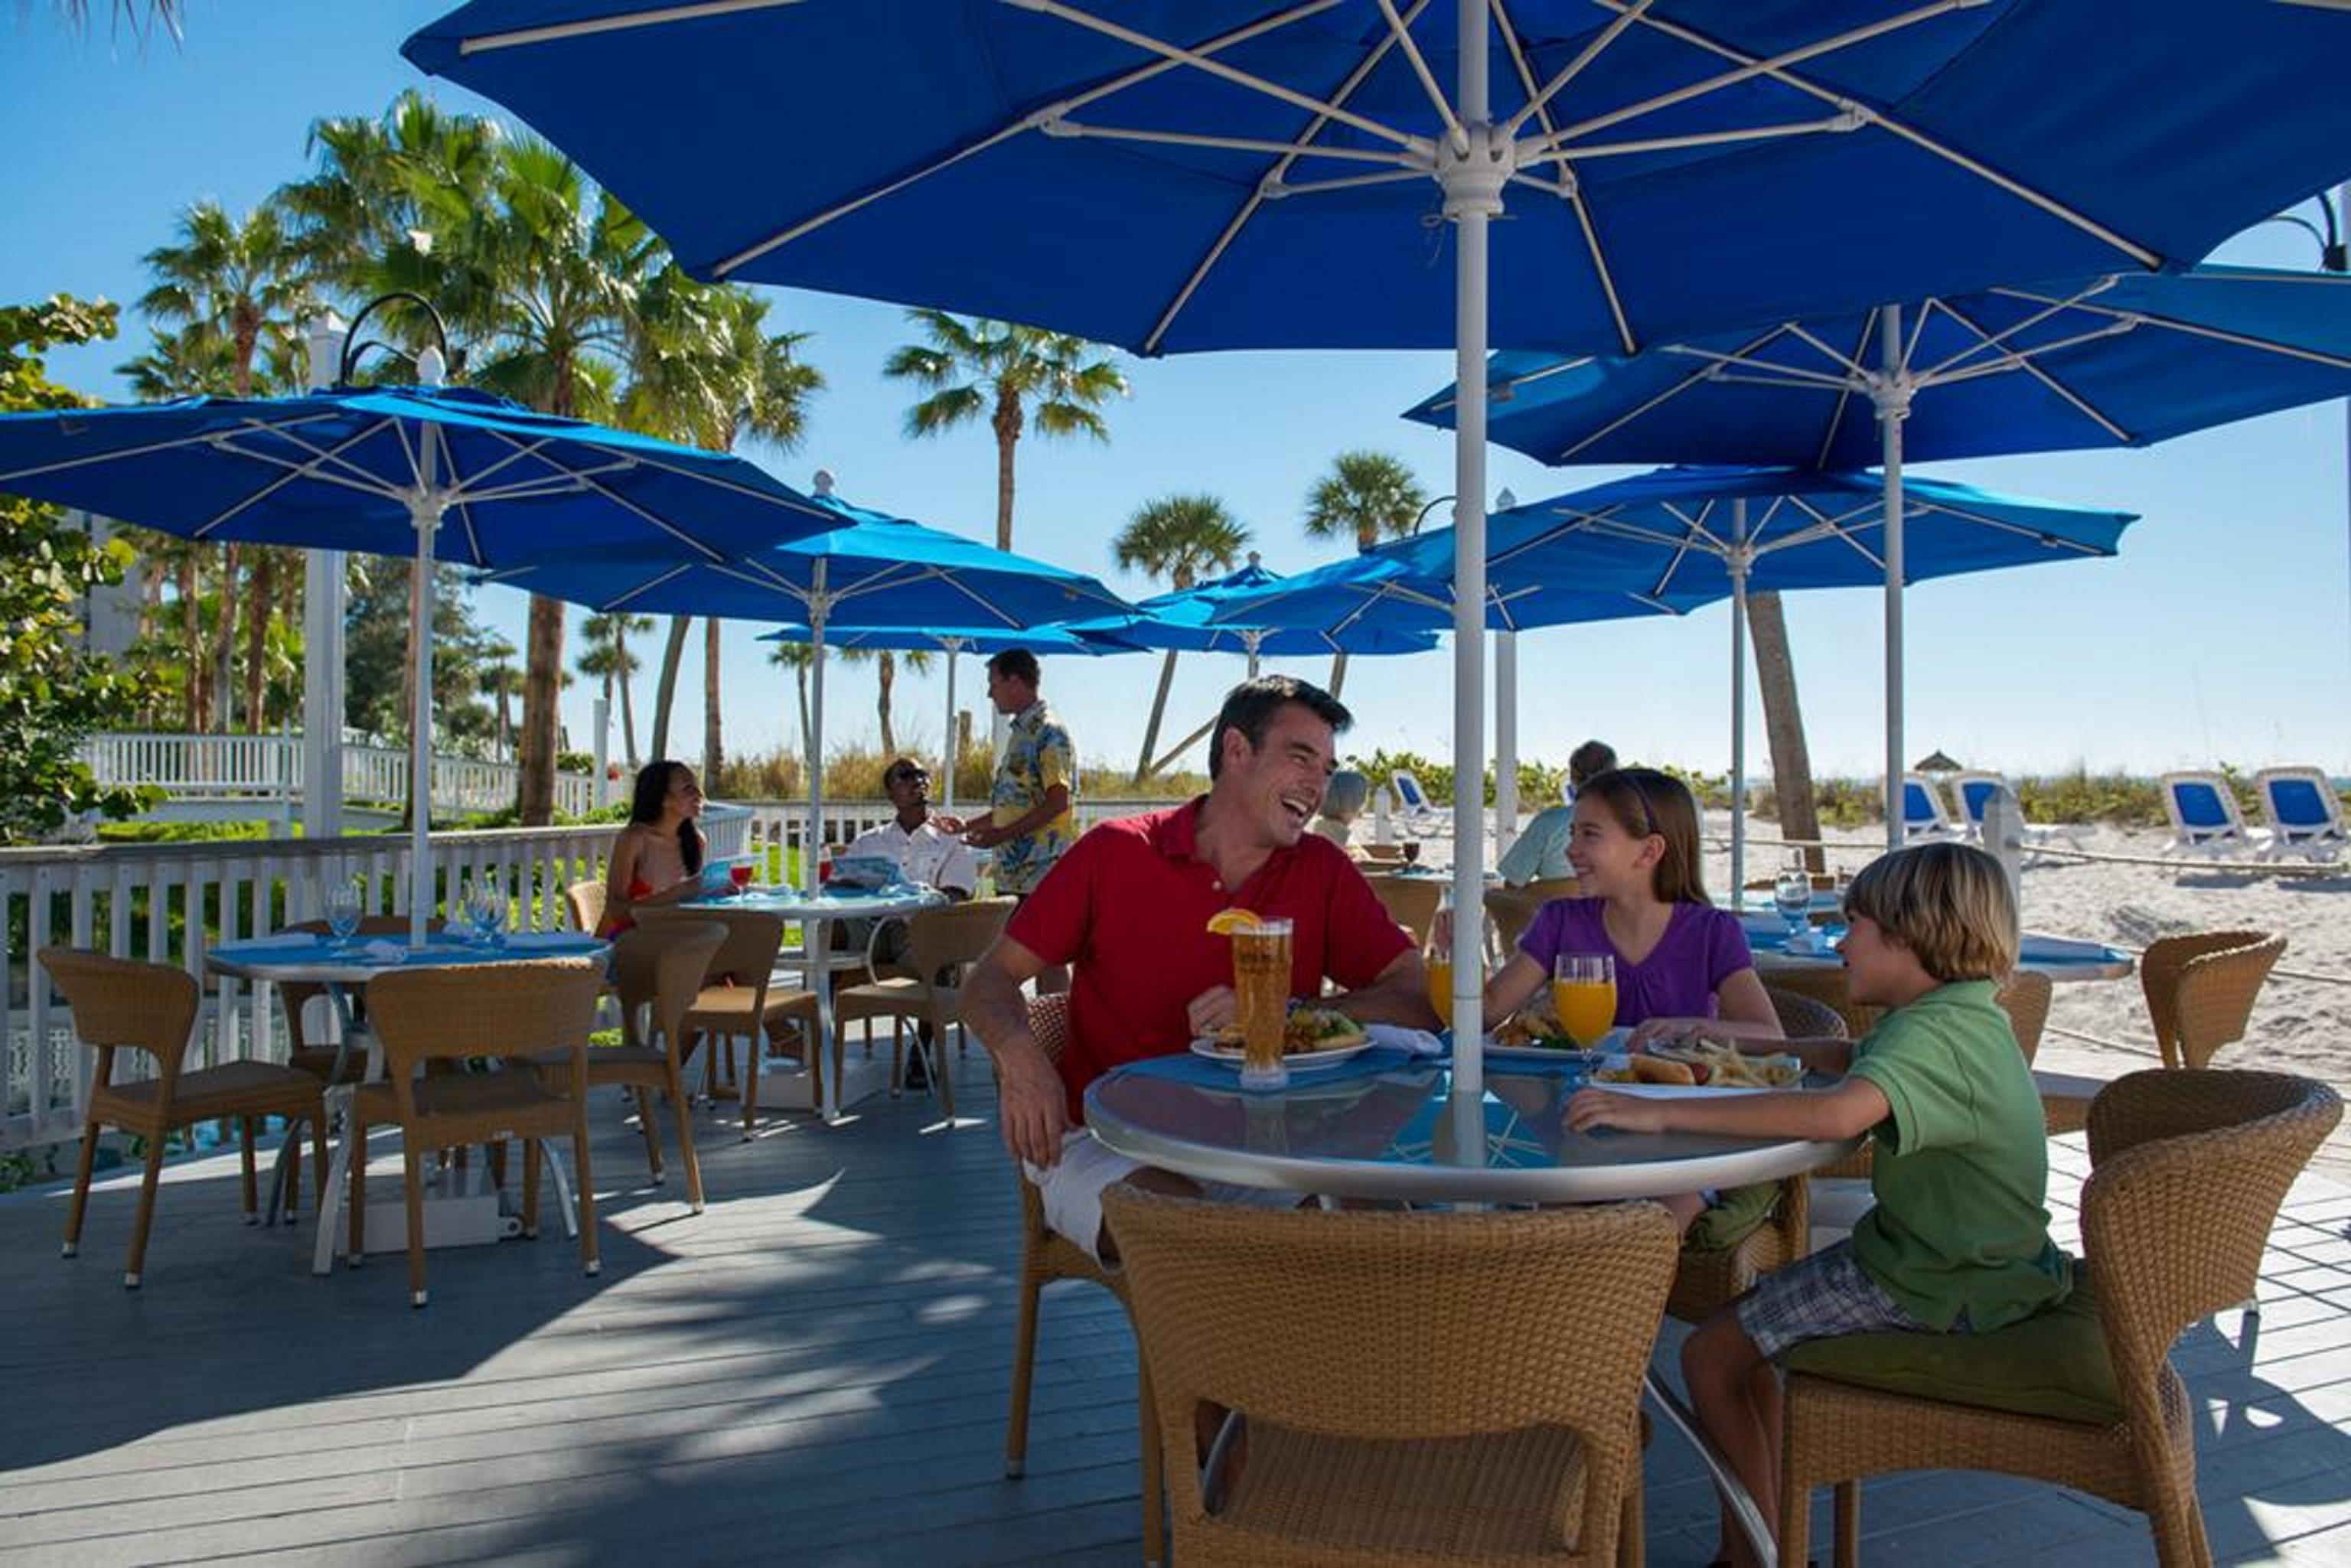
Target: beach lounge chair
column 1923, row 815
column 1975, row 790
column 2204, row 817
column 2305, row 815
column 1415, row 811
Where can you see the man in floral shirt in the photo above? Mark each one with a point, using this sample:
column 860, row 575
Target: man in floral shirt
column 1031, row 817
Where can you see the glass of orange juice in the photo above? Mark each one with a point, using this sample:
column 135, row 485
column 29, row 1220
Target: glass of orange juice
column 1583, row 994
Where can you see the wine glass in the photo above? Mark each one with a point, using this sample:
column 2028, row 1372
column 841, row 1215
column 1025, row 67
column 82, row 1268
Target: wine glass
column 485, row 906
column 1792, row 894
column 1411, row 848
column 343, row 912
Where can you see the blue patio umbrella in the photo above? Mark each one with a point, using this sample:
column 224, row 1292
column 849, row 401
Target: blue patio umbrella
column 868, row 569
column 2112, row 360
column 1236, row 174
column 1185, row 621
column 430, row 473
column 1690, row 535
column 954, row 641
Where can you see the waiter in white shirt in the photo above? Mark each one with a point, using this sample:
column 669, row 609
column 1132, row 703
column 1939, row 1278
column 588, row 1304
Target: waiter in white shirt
column 914, row 843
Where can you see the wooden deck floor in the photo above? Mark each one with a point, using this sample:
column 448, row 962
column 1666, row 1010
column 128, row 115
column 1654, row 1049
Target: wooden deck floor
column 815, row 1371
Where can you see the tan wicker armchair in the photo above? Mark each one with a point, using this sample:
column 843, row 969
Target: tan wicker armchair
column 2189, row 1168
column 740, row 1001
column 1501, row 1438
column 1513, row 909
column 2201, row 990
column 120, row 1006
column 585, row 900
column 296, row 996
column 659, row 970
column 938, row 940
column 1046, row 1257
column 1826, row 983
column 521, row 1011
column 1411, row 902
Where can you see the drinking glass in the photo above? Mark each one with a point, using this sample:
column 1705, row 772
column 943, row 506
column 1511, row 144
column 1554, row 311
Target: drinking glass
column 486, row 904
column 1792, row 894
column 739, row 873
column 343, row 912
column 1261, row 989
column 1411, row 848
column 1438, row 956
column 1583, row 994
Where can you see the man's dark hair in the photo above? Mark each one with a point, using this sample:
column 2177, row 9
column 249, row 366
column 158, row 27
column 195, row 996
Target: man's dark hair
column 1018, row 663
column 900, row 766
column 1249, row 707
column 1588, row 761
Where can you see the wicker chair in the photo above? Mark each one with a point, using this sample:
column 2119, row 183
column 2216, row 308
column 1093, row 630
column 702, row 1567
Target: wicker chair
column 1826, row 983
column 2189, row 1168
column 739, row 1000
column 659, row 970
column 120, row 1006
column 1707, row 1278
column 2025, row 1001
column 2201, row 990
column 1411, row 902
column 296, row 996
column 1513, row 909
column 585, row 900
column 1500, row 1438
column 938, row 940
column 1046, row 1257
column 515, row 1010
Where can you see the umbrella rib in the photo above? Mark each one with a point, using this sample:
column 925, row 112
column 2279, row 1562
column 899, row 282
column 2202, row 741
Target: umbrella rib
column 118, row 454
column 361, row 480
column 1748, row 65
column 1035, row 122
column 1257, row 198
column 1089, row 131
column 1689, row 383
column 2198, row 330
column 1401, row 32
column 627, row 21
column 1539, row 98
column 2027, row 364
column 1575, row 195
column 1997, row 344
column 1982, row 171
column 1832, row 124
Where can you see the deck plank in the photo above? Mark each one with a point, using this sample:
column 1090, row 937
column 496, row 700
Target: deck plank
column 817, row 1366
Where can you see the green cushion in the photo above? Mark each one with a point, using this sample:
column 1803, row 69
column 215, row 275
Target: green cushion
column 2053, row 1363
column 1732, row 1216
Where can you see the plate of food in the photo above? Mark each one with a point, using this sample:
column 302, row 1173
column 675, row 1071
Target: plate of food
column 1313, row 1037
column 1533, row 1035
column 1701, row 1067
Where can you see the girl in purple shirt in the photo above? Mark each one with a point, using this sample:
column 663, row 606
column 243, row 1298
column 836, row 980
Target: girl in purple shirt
column 1680, row 962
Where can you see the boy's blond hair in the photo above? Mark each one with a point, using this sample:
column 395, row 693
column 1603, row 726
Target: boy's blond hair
column 1949, row 904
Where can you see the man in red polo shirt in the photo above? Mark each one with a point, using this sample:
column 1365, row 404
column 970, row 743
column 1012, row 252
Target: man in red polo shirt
column 1128, row 906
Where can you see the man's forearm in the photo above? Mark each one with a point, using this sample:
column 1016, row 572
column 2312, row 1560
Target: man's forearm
column 994, row 1010
column 1400, row 996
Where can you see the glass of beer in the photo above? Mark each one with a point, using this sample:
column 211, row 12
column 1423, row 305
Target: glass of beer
column 1583, row 994
column 1261, row 989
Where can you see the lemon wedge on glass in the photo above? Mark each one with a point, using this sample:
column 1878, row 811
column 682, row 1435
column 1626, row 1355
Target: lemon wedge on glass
column 1225, row 921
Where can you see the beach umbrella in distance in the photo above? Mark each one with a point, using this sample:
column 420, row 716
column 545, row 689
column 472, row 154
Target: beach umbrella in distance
column 868, row 569
column 1046, row 642
column 1694, row 534
column 1936, row 762
column 2110, row 360
column 429, row 472
column 1185, row 621
column 1235, row 173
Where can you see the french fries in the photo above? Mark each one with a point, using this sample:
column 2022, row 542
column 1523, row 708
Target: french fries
column 1726, row 1066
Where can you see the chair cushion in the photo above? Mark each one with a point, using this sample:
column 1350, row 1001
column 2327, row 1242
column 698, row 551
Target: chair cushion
column 1735, row 1214
column 2053, row 1363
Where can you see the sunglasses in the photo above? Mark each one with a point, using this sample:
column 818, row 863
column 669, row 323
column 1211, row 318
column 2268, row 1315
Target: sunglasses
column 909, row 776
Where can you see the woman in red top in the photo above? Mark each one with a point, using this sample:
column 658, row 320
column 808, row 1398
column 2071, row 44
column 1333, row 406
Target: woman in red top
column 658, row 859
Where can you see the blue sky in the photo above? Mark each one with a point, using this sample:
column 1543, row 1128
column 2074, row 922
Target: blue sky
column 2223, row 633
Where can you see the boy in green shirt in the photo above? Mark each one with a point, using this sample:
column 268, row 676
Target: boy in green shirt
column 1959, row 1239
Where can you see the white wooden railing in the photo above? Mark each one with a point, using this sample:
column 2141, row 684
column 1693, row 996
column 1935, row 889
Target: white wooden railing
column 269, row 768
column 171, row 903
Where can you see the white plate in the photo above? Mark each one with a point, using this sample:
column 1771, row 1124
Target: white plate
column 1611, row 1043
column 1230, row 1055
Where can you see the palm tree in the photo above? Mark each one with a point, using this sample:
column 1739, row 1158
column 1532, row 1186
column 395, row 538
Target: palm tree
column 1367, row 496
column 1177, row 538
column 500, row 680
column 243, row 285
column 607, row 656
column 713, row 748
column 1011, row 375
column 798, row 657
column 1783, row 724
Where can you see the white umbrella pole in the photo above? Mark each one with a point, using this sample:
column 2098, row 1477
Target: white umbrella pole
column 427, row 518
column 1506, row 740
column 1473, row 194
column 1738, row 566
column 953, row 645
column 1252, row 641
column 813, row 846
column 1893, row 400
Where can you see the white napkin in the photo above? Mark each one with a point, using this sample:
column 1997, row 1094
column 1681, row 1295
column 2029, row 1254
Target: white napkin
column 1418, row 1041
column 383, row 952
column 282, row 940
column 1808, row 942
